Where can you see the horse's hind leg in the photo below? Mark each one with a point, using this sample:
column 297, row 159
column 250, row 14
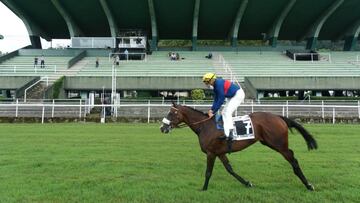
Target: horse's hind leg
column 289, row 156
column 229, row 169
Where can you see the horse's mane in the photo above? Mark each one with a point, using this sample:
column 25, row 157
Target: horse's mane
column 195, row 110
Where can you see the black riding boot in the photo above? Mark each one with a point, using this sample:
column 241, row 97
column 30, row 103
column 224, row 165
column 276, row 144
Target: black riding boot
column 224, row 137
column 229, row 141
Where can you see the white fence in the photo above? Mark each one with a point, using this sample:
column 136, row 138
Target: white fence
column 27, row 68
column 155, row 111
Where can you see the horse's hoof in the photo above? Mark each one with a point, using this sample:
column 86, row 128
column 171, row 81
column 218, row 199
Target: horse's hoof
column 249, row 184
column 310, row 187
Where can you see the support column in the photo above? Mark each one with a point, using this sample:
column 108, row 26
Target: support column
column 313, row 32
column 273, row 33
column 154, row 31
column 236, row 25
column 33, row 28
column 73, row 28
column 110, row 17
column 35, row 42
column 351, row 36
column 195, row 24
column 311, row 43
column 350, row 43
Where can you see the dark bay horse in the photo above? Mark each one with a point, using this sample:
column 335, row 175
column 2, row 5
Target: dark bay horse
column 271, row 130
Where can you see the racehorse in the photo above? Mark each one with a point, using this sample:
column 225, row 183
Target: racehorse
column 271, row 130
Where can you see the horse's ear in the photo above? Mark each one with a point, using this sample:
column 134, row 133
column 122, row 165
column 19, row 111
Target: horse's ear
column 173, row 103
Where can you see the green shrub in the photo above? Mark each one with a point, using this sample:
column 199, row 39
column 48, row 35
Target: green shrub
column 57, row 87
column 197, row 94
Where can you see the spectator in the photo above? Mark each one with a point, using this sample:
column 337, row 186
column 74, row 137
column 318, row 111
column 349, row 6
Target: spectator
column 126, row 52
column 35, row 61
column 42, row 61
column 97, row 63
column 209, row 56
column 117, row 60
column 173, row 56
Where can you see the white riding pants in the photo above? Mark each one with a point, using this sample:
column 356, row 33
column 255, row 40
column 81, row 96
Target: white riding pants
column 230, row 107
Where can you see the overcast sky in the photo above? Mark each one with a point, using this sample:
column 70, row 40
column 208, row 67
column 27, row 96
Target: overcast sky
column 15, row 33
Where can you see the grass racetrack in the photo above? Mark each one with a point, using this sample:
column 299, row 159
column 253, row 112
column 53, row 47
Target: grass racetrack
column 136, row 163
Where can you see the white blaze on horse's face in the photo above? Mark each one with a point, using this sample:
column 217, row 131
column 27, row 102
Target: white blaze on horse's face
column 170, row 121
column 165, row 127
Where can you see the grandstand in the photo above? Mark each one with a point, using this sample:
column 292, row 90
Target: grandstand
column 99, row 31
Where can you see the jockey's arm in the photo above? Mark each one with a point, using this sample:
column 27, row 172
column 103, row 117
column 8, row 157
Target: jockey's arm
column 218, row 101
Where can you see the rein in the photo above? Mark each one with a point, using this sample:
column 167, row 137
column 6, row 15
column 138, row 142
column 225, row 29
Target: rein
column 191, row 124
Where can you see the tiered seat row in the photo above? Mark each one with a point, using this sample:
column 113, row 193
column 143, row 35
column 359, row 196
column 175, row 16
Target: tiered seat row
column 157, row 64
column 278, row 64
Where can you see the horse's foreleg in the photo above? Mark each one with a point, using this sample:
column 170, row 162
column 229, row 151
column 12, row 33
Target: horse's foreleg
column 209, row 168
column 229, row 169
column 289, row 156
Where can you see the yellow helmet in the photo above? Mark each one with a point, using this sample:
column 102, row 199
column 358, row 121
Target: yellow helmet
column 208, row 76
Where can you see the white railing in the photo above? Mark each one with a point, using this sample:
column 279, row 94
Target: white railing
column 27, row 68
column 228, row 70
column 42, row 79
column 149, row 111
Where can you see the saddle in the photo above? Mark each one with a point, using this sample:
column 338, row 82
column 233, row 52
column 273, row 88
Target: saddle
column 243, row 127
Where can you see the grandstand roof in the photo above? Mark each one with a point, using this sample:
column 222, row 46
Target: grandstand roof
column 185, row 19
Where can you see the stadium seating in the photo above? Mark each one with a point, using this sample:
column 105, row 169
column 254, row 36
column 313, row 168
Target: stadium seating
column 157, row 64
column 24, row 65
column 242, row 64
column 245, row 64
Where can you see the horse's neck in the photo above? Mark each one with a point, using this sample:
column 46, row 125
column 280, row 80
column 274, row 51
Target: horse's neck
column 193, row 116
column 196, row 121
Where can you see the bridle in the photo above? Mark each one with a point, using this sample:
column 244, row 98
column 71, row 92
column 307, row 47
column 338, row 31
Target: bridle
column 182, row 125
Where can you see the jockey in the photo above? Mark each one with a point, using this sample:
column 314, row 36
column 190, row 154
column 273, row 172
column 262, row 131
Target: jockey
column 224, row 89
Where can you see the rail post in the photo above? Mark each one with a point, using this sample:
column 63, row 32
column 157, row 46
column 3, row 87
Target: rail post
column 52, row 108
column 333, row 115
column 148, row 116
column 287, row 109
column 283, row 111
column 43, row 114
column 322, row 109
column 14, row 69
column 359, row 108
column 80, row 109
column 252, row 106
column 17, row 108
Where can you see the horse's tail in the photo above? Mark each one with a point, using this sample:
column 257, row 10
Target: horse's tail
column 310, row 141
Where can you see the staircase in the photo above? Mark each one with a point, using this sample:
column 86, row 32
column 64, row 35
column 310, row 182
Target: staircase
column 36, row 92
column 223, row 69
column 38, row 89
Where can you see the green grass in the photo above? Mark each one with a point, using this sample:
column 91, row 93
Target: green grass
column 136, row 163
